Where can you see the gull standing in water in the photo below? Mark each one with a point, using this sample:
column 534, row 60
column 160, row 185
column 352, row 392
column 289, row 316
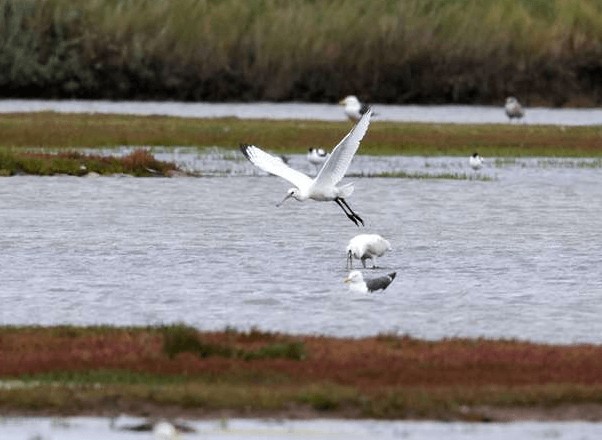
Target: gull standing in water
column 357, row 283
column 316, row 157
column 324, row 186
column 475, row 161
column 354, row 109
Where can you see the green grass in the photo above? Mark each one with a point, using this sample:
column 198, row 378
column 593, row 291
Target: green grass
column 140, row 163
column 183, row 339
column 57, row 131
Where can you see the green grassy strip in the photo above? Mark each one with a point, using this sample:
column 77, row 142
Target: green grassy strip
column 51, row 130
column 86, row 392
column 182, row 339
column 139, row 163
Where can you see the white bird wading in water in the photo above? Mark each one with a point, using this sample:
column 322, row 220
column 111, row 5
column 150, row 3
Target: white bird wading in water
column 366, row 246
column 324, row 186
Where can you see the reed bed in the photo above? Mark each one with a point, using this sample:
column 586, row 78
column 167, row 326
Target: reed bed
column 394, row 51
column 106, row 369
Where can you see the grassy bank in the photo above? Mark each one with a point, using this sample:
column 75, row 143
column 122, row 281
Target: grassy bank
column 428, row 51
column 139, row 163
column 52, row 130
column 105, row 370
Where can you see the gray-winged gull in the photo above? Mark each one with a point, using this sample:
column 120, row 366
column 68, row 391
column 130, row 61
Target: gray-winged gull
column 358, row 284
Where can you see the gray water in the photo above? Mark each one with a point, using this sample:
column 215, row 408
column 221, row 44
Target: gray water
column 459, row 114
column 77, row 428
column 519, row 256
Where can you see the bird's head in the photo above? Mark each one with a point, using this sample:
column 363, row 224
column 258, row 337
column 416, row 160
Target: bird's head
column 355, row 276
column 349, row 100
column 294, row 193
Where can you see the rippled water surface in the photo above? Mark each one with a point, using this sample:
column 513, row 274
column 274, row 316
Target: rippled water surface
column 518, row 256
column 462, row 114
column 78, row 428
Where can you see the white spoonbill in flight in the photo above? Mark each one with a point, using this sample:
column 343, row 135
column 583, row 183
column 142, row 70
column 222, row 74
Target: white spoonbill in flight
column 324, row 186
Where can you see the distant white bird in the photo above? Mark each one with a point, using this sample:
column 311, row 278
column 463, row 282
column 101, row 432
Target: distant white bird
column 475, row 161
column 164, row 430
column 513, row 108
column 316, row 157
column 366, row 246
column 358, row 284
column 323, row 187
column 354, row 109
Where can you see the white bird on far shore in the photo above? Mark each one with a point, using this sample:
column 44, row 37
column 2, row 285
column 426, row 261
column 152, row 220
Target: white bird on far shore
column 475, row 161
column 354, row 109
column 316, row 157
column 513, row 109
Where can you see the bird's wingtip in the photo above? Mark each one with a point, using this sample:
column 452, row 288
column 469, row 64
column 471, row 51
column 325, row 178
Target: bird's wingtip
column 245, row 149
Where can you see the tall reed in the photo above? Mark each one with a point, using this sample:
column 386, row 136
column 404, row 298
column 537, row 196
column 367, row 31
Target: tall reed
column 544, row 51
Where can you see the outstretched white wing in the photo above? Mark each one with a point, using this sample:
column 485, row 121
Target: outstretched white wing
column 335, row 167
column 274, row 165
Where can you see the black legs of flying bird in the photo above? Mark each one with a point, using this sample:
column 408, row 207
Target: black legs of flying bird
column 349, row 212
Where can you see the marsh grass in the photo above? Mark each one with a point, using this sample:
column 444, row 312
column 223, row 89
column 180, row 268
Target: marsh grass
column 67, row 131
column 183, row 339
column 428, row 176
column 140, row 163
column 74, row 370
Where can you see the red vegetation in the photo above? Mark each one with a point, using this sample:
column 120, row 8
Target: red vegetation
column 368, row 364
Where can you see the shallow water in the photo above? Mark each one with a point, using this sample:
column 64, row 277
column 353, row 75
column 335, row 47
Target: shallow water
column 461, row 114
column 78, row 428
column 515, row 257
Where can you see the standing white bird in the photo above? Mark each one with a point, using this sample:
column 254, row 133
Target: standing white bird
column 323, row 187
column 358, row 284
column 316, row 157
column 366, row 246
column 475, row 161
column 513, row 109
column 354, row 109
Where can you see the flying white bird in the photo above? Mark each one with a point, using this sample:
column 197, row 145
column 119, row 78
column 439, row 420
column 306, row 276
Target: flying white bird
column 323, row 187
column 316, row 157
column 358, row 284
column 354, row 109
column 475, row 161
column 364, row 246
column 513, row 108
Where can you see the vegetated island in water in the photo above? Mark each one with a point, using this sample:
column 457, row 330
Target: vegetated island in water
column 178, row 371
column 39, row 131
column 139, row 163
